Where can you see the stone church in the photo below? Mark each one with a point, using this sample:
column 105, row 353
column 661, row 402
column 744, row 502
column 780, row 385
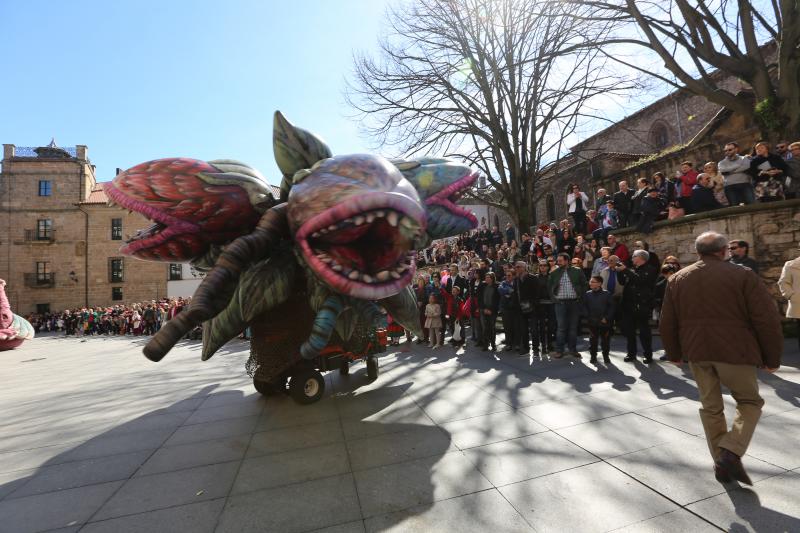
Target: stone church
column 676, row 128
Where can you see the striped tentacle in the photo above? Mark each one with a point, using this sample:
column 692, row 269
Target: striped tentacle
column 219, row 285
column 324, row 324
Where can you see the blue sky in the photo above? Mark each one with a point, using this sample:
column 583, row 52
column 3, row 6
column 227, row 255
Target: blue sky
column 136, row 80
column 140, row 80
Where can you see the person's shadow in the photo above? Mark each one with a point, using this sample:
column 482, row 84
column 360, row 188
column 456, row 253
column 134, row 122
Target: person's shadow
column 759, row 518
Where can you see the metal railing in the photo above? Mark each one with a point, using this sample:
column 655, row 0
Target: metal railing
column 40, row 281
column 32, row 235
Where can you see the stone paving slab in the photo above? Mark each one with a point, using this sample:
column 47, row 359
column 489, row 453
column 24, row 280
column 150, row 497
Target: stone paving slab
column 96, row 438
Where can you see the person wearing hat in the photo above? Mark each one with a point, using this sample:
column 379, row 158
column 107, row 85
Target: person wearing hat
column 650, row 207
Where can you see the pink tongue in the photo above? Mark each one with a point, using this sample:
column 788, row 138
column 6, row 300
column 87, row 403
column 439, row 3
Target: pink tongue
column 346, row 235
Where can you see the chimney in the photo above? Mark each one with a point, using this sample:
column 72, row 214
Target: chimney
column 80, row 152
column 8, row 151
column 119, row 171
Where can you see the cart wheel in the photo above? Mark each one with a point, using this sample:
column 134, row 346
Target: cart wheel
column 306, row 386
column 344, row 367
column 270, row 388
column 372, row 367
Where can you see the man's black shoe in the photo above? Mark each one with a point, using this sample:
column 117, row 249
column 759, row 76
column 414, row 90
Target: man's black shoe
column 606, row 359
column 630, row 358
column 732, row 463
column 508, row 348
column 648, row 360
column 593, row 360
column 663, row 358
column 721, row 473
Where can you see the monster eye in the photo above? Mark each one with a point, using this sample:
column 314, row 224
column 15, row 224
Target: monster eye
column 406, row 165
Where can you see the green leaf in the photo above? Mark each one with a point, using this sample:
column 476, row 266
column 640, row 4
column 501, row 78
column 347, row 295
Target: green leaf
column 295, row 149
column 263, row 286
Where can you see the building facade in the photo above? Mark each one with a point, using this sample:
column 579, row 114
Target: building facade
column 59, row 240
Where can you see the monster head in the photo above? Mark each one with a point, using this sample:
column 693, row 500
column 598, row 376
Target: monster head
column 355, row 219
column 193, row 205
column 441, row 183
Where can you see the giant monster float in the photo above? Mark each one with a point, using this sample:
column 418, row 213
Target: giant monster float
column 14, row 329
column 309, row 268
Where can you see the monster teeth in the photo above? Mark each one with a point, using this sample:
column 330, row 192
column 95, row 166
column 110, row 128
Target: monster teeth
column 392, row 218
column 337, row 267
column 383, row 275
column 407, row 223
column 354, row 275
column 394, row 274
column 366, row 278
column 380, row 213
column 370, row 217
column 326, row 259
column 331, row 228
column 315, row 234
column 359, row 220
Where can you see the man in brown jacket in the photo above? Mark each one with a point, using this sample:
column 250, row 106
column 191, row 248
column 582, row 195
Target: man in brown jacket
column 721, row 318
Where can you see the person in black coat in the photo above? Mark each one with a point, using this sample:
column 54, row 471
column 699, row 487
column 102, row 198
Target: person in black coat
column 703, row 195
column 638, row 300
column 545, row 309
column 650, row 207
column 525, row 309
column 623, row 201
column 598, row 308
column 488, row 306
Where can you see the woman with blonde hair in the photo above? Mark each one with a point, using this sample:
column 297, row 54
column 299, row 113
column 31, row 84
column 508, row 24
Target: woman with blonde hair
column 717, row 182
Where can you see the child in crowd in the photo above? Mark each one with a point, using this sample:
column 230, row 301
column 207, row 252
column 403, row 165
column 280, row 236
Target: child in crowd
column 598, row 308
column 433, row 321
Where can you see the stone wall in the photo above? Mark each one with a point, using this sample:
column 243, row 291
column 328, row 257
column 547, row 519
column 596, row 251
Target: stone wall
column 772, row 230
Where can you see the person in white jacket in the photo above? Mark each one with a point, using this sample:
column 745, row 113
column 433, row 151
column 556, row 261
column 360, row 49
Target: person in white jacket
column 789, row 285
column 577, row 205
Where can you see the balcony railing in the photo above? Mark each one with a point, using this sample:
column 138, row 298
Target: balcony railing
column 40, row 281
column 32, row 235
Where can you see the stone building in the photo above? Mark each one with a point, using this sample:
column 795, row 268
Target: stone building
column 59, row 240
column 679, row 127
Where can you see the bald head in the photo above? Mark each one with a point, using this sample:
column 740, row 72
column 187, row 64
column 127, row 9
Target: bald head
column 710, row 243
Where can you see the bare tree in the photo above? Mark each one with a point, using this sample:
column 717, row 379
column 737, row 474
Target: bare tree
column 484, row 80
column 703, row 43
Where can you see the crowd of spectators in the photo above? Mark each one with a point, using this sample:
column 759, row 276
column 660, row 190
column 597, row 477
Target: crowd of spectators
column 761, row 176
column 133, row 319
column 545, row 289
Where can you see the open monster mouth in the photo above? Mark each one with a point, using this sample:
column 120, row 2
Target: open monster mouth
column 164, row 226
column 363, row 252
column 451, row 194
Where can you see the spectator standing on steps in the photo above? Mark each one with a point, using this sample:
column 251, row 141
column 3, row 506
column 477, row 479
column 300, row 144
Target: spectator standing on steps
column 735, row 172
column 723, row 320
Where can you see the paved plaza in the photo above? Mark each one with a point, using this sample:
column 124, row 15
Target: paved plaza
column 95, row 438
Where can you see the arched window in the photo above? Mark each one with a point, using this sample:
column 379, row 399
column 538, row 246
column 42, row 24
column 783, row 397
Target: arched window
column 659, row 135
column 551, row 207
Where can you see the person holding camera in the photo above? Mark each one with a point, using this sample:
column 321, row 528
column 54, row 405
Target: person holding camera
column 638, row 300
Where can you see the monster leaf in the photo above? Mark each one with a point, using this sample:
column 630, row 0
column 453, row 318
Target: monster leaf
column 295, row 149
column 403, row 308
column 264, row 285
column 233, row 172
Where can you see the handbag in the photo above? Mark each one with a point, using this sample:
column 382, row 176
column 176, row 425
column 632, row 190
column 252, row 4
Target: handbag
column 675, row 212
column 771, row 189
column 457, row 332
